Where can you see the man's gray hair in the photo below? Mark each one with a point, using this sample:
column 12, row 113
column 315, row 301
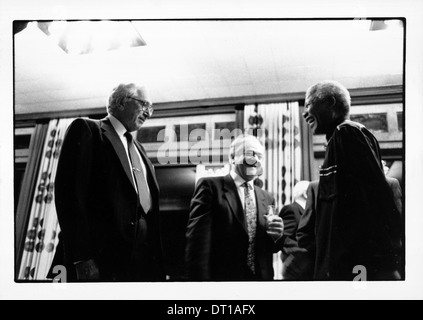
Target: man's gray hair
column 235, row 148
column 119, row 94
column 327, row 89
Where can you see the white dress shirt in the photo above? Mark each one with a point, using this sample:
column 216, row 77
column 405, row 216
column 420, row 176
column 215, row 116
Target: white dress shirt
column 241, row 189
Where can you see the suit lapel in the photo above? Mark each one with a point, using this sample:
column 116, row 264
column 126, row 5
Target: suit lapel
column 232, row 197
column 299, row 212
column 114, row 139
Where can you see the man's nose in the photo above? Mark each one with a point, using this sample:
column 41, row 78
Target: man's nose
column 252, row 160
column 305, row 114
column 146, row 113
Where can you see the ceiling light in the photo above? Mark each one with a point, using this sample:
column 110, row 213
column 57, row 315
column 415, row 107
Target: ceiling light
column 385, row 24
column 82, row 37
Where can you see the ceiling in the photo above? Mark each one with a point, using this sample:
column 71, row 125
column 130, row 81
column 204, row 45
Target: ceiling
column 185, row 60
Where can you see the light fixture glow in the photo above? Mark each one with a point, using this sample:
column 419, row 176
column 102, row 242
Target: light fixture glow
column 83, row 37
column 392, row 24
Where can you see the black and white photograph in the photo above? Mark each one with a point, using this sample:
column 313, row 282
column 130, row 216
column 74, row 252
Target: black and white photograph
column 208, row 154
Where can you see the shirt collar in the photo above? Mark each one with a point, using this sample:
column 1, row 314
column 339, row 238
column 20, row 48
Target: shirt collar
column 239, row 181
column 117, row 125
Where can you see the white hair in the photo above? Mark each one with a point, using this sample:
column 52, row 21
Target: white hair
column 300, row 189
column 330, row 88
column 120, row 93
column 239, row 144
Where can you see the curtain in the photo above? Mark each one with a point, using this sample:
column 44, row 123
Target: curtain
column 28, row 187
column 42, row 228
column 308, row 171
column 278, row 128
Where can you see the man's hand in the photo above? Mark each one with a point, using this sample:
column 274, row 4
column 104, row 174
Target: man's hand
column 87, row 270
column 274, row 226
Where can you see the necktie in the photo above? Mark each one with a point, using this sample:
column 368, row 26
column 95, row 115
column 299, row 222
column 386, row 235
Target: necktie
column 250, row 213
column 140, row 179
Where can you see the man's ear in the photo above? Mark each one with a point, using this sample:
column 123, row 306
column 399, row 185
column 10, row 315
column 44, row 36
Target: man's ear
column 121, row 106
column 331, row 102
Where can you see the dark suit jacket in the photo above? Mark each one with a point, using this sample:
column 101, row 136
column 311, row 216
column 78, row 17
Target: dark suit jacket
column 299, row 264
column 98, row 209
column 217, row 238
column 291, row 215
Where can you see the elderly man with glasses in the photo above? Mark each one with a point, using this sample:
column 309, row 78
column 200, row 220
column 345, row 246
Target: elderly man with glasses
column 107, row 196
column 231, row 235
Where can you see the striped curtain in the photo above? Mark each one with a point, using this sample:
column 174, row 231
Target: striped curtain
column 43, row 228
column 27, row 190
column 279, row 131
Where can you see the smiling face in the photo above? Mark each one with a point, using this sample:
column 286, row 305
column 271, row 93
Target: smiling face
column 247, row 157
column 134, row 112
column 327, row 104
column 318, row 115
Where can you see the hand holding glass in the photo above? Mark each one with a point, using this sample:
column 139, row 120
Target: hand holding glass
column 272, row 210
column 274, row 223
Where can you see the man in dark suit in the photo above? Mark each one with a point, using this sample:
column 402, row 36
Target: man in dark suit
column 229, row 237
column 299, row 265
column 107, row 196
column 291, row 215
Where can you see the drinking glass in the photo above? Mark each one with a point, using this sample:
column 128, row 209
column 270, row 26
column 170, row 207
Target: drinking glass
column 272, row 210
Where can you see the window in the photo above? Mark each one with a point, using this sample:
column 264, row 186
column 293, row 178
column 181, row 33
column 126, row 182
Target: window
column 385, row 121
column 151, row 134
column 190, row 132
column 399, row 120
column 22, row 140
column 220, row 126
column 189, row 140
column 376, row 123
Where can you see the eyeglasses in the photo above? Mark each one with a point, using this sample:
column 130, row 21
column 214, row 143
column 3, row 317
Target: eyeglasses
column 252, row 154
column 146, row 106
